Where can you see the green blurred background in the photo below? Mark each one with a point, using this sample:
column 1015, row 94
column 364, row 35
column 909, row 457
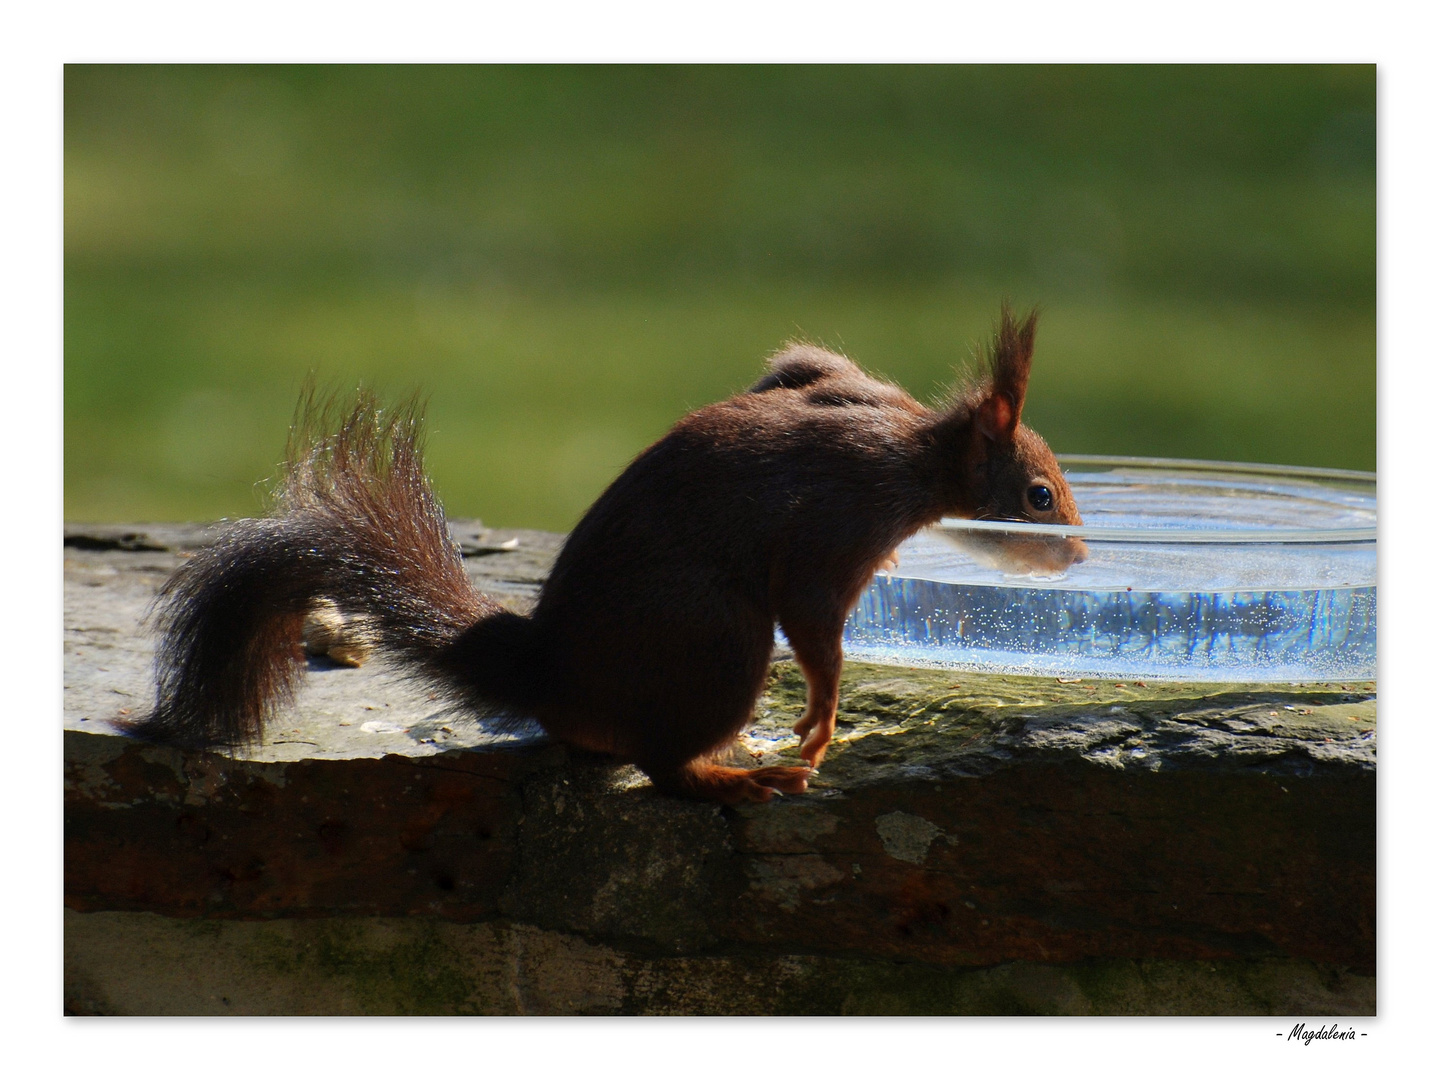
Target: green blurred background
column 567, row 258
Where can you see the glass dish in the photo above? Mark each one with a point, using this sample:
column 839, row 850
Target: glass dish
column 1196, row 570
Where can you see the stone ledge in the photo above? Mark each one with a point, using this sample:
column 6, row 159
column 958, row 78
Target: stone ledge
column 979, row 827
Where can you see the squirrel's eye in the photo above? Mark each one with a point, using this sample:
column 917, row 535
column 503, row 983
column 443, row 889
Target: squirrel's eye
column 1039, row 497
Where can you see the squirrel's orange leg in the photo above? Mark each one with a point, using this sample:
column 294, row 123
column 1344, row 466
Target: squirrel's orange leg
column 720, row 783
column 820, row 658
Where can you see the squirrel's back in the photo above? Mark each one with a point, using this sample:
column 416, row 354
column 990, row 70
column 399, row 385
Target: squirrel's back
column 815, row 446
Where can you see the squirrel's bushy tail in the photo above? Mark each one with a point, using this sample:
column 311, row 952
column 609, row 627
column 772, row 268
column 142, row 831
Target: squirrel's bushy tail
column 355, row 523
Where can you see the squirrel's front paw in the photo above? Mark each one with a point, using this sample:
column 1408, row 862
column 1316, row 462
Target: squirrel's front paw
column 815, row 733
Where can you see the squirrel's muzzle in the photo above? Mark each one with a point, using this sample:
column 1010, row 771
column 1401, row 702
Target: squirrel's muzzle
column 1021, row 553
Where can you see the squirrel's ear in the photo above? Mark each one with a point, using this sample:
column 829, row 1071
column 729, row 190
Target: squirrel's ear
column 1009, row 363
column 996, row 417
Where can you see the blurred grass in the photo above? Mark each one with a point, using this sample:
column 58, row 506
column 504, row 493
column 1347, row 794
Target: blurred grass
column 567, row 258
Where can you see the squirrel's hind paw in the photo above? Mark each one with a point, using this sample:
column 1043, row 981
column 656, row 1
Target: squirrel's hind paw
column 720, row 783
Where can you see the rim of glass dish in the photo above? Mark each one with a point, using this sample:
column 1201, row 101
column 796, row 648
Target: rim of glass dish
column 1171, row 535
column 1294, row 472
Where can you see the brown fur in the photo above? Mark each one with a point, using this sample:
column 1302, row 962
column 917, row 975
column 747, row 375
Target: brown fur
column 652, row 636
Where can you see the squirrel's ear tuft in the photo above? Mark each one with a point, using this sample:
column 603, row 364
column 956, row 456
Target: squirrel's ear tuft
column 1010, row 354
column 1008, row 361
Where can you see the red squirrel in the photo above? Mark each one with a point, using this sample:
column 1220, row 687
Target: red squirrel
column 652, row 637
